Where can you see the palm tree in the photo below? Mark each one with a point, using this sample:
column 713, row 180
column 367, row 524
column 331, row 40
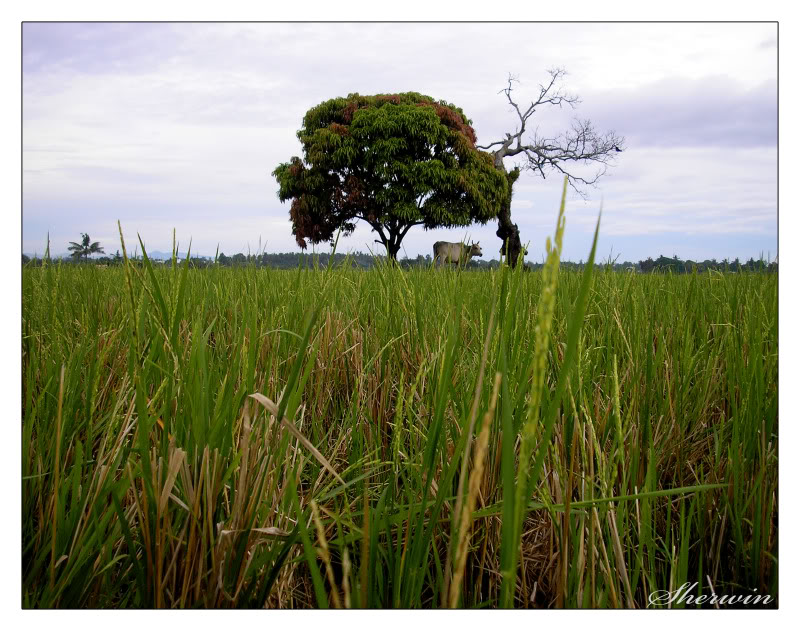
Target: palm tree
column 85, row 248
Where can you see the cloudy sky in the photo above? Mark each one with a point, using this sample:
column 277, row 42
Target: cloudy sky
column 179, row 126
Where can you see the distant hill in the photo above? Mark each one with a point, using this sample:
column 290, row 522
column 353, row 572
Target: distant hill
column 164, row 256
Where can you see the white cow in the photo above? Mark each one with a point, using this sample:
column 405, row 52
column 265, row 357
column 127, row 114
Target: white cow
column 459, row 253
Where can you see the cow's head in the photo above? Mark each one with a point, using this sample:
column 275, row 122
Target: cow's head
column 475, row 250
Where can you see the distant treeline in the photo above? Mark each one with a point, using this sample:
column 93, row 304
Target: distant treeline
column 674, row 264
column 292, row 260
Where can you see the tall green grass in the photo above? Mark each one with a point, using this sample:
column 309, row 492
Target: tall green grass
column 420, row 438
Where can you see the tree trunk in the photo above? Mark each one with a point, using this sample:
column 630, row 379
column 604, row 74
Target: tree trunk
column 392, row 245
column 507, row 230
column 396, row 233
column 509, row 235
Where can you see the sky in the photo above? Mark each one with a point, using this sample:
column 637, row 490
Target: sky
column 178, row 126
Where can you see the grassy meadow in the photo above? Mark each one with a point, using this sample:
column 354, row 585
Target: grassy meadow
column 332, row 437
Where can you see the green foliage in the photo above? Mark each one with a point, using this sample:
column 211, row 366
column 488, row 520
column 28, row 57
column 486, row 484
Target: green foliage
column 675, row 265
column 394, row 161
column 85, row 247
column 150, row 478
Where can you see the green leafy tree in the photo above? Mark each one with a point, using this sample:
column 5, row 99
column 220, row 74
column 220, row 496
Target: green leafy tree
column 85, row 247
column 393, row 160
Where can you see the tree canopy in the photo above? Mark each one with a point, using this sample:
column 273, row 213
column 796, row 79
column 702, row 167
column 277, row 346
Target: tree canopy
column 85, row 247
column 392, row 160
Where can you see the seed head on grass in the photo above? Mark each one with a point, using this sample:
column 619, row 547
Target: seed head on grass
column 529, row 430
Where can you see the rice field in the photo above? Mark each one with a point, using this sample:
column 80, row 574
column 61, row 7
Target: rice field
column 332, row 437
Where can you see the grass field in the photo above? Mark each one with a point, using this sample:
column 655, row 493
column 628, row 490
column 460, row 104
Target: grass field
column 446, row 438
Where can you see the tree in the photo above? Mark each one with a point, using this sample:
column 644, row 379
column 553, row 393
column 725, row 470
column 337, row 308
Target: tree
column 84, row 248
column 393, row 160
column 580, row 145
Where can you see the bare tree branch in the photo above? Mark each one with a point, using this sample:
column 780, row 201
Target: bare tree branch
column 581, row 145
